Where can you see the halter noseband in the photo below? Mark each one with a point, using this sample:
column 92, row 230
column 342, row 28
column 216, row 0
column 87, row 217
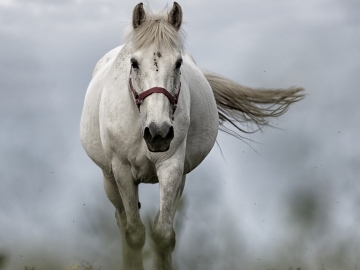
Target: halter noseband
column 139, row 98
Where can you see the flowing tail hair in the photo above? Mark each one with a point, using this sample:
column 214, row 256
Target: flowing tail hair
column 239, row 105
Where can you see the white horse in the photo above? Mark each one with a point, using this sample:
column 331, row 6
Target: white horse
column 151, row 116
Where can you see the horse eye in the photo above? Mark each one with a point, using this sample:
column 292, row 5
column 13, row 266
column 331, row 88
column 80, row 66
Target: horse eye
column 134, row 63
column 178, row 63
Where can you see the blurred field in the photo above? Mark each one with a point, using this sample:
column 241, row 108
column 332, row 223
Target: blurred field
column 224, row 251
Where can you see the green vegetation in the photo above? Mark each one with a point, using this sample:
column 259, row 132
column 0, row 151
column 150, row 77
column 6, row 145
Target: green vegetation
column 81, row 266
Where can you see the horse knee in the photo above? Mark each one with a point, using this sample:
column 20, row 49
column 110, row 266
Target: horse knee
column 164, row 238
column 120, row 219
column 135, row 236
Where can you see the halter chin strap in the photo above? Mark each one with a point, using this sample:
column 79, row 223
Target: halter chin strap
column 139, row 98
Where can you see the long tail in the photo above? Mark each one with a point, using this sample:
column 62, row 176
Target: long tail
column 239, row 105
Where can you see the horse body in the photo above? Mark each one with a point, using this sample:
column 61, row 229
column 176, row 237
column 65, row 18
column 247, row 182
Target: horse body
column 151, row 116
column 113, row 129
column 111, row 124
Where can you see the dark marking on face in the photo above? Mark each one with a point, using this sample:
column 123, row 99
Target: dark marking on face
column 156, row 64
column 159, row 54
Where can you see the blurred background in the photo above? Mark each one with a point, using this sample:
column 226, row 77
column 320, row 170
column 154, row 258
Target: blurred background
column 287, row 197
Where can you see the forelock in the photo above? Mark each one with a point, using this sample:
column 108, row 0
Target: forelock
column 155, row 30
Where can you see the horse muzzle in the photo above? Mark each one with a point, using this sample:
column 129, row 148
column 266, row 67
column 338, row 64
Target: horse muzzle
column 158, row 137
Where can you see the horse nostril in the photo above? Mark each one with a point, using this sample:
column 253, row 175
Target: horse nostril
column 170, row 134
column 147, row 134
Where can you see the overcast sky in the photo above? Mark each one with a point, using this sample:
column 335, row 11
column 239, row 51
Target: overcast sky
column 297, row 181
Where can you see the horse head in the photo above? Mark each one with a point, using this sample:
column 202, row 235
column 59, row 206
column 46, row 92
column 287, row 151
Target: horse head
column 155, row 61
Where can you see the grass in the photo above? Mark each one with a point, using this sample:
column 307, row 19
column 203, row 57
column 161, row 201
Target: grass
column 81, row 266
column 88, row 266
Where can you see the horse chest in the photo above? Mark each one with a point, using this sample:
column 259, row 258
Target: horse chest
column 143, row 170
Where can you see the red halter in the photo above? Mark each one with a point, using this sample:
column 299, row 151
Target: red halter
column 139, row 98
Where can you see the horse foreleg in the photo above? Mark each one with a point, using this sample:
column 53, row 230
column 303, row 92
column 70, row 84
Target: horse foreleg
column 171, row 183
column 131, row 228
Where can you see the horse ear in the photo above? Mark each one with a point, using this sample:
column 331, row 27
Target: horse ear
column 139, row 15
column 175, row 16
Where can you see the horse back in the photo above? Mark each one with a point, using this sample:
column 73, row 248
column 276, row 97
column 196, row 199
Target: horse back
column 108, row 57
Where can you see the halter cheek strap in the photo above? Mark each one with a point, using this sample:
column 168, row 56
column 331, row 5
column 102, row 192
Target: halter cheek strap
column 139, row 98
